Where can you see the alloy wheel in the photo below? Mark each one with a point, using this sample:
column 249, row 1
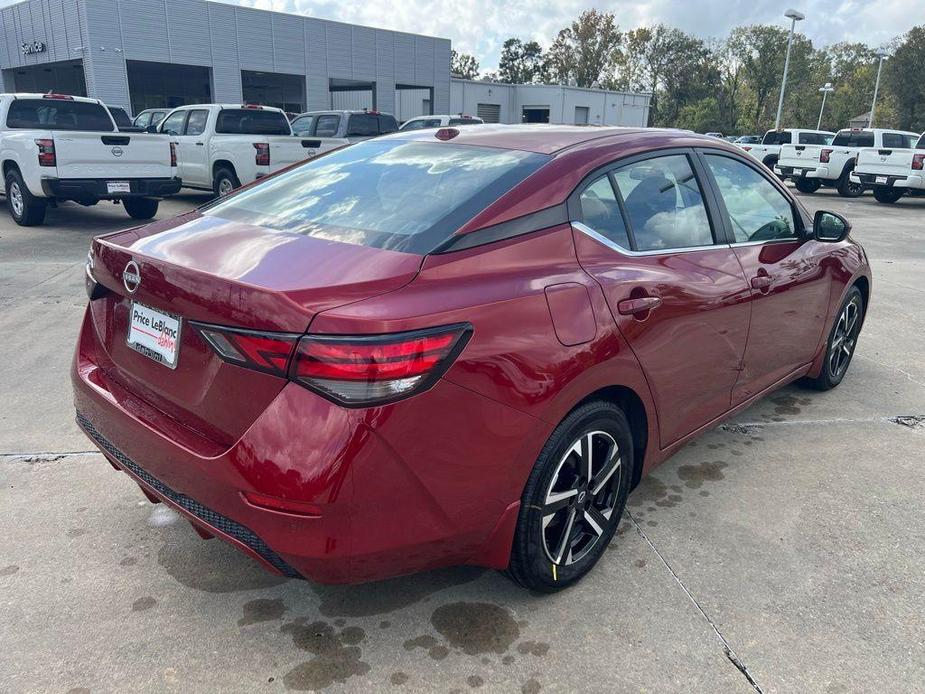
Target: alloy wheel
column 844, row 338
column 225, row 186
column 16, row 200
column 581, row 497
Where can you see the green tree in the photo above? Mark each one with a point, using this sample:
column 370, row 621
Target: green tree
column 760, row 50
column 584, row 51
column 904, row 82
column 464, row 65
column 521, row 63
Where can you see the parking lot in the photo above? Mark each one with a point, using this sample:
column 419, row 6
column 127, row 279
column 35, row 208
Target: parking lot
column 783, row 551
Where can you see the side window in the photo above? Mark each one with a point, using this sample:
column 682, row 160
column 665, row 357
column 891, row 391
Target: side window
column 387, row 124
column 327, row 126
column 142, row 120
column 302, row 125
column 362, row 125
column 663, row 203
column 601, row 211
column 173, row 124
column 757, row 210
column 196, row 124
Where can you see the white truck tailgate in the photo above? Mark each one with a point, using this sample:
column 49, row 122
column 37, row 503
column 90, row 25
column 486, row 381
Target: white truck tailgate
column 286, row 150
column 896, row 162
column 112, row 155
column 799, row 156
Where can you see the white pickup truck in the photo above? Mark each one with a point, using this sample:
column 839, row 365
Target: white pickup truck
column 813, row 166
column 223, row 146
column 58, row 147
column 768, row 151
column 892, row 172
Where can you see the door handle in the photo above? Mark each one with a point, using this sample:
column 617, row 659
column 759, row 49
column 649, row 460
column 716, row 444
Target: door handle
column 630, row 307
column 200, row 144
column 761, row 282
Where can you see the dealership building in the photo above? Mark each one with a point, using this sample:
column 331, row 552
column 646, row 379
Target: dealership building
column 142, row 54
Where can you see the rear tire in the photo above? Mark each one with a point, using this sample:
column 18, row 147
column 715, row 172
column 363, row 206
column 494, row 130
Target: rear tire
column 848, row 189
column 25, row 209
column 807, row 185
column 224, row 182
column 888, row 195
column 140, row 208
column 572, row 502
column 843, row 338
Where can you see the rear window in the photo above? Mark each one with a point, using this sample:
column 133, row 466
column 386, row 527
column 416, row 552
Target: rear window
column 387, row 124
column 404, row 196
column 421, row 123
column 854, row 138
column 921, row 143
column 58, row 114
column 362, row 125
column 251, row 121
column 815, row 139
column 776, row 137
column 898, row 141
column 120, row 117
column 465, row 121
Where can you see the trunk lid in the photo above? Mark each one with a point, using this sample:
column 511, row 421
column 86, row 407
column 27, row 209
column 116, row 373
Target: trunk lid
column 210, row 270
column 111, row 156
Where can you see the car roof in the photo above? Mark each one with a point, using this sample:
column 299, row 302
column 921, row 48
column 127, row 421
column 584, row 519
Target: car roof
column 30, row 95
column 547, row 139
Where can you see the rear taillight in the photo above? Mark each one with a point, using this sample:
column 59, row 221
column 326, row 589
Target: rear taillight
column 918, row 160
column 360, row 371
column 824, row 155
column 173, row 153
column 267, row 352
column 354, row 371
column 263, row 153
column 46, row 152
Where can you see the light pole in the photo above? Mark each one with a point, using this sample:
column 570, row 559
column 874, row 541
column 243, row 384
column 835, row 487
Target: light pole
column 882, row 54
column 795, row 17
column 825, row 89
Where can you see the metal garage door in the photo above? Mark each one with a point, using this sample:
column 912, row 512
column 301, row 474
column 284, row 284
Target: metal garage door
column 490, row 113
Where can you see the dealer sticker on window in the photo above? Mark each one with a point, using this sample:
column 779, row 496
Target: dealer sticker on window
column 155, row 334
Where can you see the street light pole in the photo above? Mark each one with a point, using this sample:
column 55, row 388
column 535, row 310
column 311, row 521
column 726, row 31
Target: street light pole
column 881, row 53
column 795, row 17
column 825, row 89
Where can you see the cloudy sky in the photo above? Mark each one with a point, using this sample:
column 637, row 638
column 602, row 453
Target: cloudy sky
column 481, row 26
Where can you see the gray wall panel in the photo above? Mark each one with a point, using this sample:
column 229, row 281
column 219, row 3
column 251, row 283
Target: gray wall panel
column 340, row 46
column 423, row 60
column 104, row 66
column 255, row 39
column 363, row 53
column 316, row 65
column 144, row 30
column 288, row 44
column 188, row 30
column 226, row 73
column 404, row 58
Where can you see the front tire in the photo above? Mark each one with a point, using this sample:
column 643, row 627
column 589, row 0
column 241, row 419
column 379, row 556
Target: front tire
column 841, row 343
column 224, row 182
column 807, row 185
column 887, row 195
column 573, row 499
column 140, row 208
column 25, row 209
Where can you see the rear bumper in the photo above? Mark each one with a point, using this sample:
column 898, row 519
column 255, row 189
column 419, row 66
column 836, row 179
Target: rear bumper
column 431, row 481
column 95, row 188
column 795, row 172
column 916, row 182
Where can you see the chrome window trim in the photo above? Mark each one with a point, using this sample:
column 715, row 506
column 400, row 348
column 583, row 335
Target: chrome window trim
column 588, row 231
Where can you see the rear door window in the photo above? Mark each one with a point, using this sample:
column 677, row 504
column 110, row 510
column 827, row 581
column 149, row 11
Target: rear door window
column 757, row 210
column 327, row 126
column 664, row 204
column 252, row 121
column 173, row 124
column 59, row 114
column 777, row 137
column 406, row 196
column 196, row 125
column 854, row 138
column 387, row 124
column 362, row 125
column 600, row 210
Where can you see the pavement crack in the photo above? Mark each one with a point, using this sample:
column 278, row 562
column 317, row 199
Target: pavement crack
column 728, row 651
column 44, row 456
column 893, row 367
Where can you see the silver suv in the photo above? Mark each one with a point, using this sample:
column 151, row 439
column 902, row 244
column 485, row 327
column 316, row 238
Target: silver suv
column 352, row 125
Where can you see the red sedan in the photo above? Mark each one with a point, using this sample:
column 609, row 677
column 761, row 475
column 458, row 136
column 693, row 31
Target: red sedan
column 455, row 346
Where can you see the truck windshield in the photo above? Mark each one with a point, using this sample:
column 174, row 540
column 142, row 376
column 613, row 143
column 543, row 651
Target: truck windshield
column 854, row 138
column 404, row 196
column 252, row 121
column 58, row 114
column 776, row 137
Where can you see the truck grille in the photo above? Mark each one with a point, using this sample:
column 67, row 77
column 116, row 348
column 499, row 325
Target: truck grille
column 206, row 515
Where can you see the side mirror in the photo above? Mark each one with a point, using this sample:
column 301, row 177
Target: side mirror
column 151, row 129
column 830, row 227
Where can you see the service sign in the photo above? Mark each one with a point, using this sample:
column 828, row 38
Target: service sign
column 31, row 47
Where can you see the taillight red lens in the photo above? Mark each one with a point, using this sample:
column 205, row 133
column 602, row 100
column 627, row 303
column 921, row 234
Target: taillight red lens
column 46, row 152
column 361, row 371
column 173, row 153
column 918, row 161
column 263, row 153
column 268, row 352
column 824, row 155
